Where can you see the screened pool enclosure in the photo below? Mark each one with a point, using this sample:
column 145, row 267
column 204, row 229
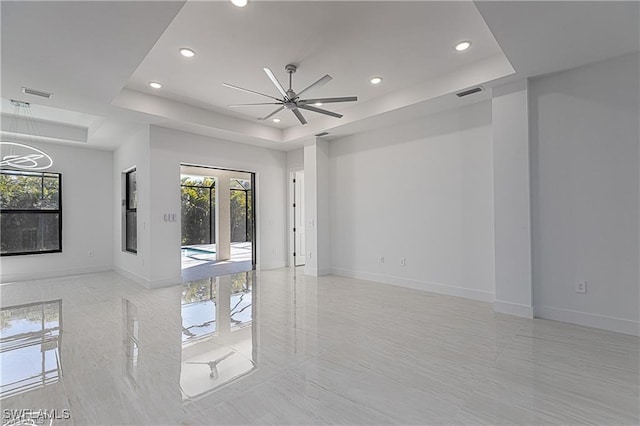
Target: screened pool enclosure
column 217, row 221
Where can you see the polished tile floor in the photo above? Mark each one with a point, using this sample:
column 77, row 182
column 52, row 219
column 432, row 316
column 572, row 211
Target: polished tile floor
column 276, row 347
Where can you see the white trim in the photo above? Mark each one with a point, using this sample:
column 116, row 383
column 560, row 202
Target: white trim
column 312, row 271
column 516, row 309
column 447, row 289
column 268, row 266
column 28, row 276
column 148, row 284
column 618, row 325
column 324, row 271
column 132, row 276
column 290, row 219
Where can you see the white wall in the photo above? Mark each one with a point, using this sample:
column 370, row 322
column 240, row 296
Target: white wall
column 421, row 190
column 86, row 217
column 511, row 187
column 170, row 148
column 295, row 159
column 585, row 185
column 317, row 211
column 134, row 152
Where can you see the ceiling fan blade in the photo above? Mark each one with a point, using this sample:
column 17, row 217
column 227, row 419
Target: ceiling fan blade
column 299, row 115
column 275, row 81
column 321, row 82
column 258, row 104
column 327, row 100
column 272, row 114
column 249, row 91
column 321, row 111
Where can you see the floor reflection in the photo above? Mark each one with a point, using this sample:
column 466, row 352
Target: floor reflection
column 198, row 309
column 30, row 346
column 278, row 347
column 218, row 338
column 131, row 340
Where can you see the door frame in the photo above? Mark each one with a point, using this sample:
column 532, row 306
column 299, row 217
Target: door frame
column 291, row 215
column 254, row 177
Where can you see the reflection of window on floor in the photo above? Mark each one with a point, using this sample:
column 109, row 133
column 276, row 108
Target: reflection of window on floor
column 210, row 361
column 130, row 336
column 198, row 309
column 30, row 346
column 241, row 285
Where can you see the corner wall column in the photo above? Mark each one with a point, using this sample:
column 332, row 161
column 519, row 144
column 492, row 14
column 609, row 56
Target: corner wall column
column 317, row 226
column 512, row 211
column 223, row 217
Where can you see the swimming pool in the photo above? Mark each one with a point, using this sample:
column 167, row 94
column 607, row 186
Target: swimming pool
column 198, row 253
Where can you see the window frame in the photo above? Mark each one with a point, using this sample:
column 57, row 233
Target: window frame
column 128, row 210
column 36, row 211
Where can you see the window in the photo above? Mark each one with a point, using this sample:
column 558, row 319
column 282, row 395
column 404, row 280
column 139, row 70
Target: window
column 131, row 214
column 198, row 196
column 30, row 212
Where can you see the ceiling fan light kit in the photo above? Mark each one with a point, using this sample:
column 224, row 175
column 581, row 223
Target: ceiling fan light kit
column 290, row 100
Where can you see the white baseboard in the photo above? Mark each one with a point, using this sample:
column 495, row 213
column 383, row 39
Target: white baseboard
column 38, row 275
column 269, row 266
column 618, row 325
column 516, row 309
column 132, row 276
column 324, row 271
column 148, row 284
column 450, row 290
column 318, row 272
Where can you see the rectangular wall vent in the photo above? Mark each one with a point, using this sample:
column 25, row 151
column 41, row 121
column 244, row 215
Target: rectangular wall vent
column 469, row 92
column 34, row 92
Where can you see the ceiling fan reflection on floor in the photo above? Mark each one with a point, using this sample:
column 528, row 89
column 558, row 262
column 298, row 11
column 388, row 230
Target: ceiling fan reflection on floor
column 291, row 100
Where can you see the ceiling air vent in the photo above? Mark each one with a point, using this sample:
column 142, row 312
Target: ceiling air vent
column 322, row 134
column 469, row 92
column 34, row 92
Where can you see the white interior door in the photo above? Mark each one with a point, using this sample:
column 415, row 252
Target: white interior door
column 298, row 214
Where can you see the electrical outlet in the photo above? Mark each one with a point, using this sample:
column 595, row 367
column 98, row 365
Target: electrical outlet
column 581, row 287
column 403, row 261
column 381, row 259
column 90, row 254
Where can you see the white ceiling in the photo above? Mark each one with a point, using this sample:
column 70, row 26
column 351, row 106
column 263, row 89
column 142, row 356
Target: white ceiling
column 405, row 42
column 97, row 58
column 541, row 37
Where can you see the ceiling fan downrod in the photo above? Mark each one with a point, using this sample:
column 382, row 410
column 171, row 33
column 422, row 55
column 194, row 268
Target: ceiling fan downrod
column 290, row 69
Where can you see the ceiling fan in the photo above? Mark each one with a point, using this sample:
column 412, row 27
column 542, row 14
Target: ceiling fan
column 291, row 100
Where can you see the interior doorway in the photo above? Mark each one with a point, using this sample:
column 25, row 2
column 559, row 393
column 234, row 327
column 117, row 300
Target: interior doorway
column 299, row 249
column 218, row 222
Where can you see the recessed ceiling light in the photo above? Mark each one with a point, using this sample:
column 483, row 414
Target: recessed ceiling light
column 318, row 104
column 463, row 45
column 276, row 120
column 187, row 53
column 155, row 84
column 239, row 3
column 376, row 80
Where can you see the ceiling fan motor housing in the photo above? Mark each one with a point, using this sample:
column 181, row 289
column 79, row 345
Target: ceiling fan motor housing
column 290, row 68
